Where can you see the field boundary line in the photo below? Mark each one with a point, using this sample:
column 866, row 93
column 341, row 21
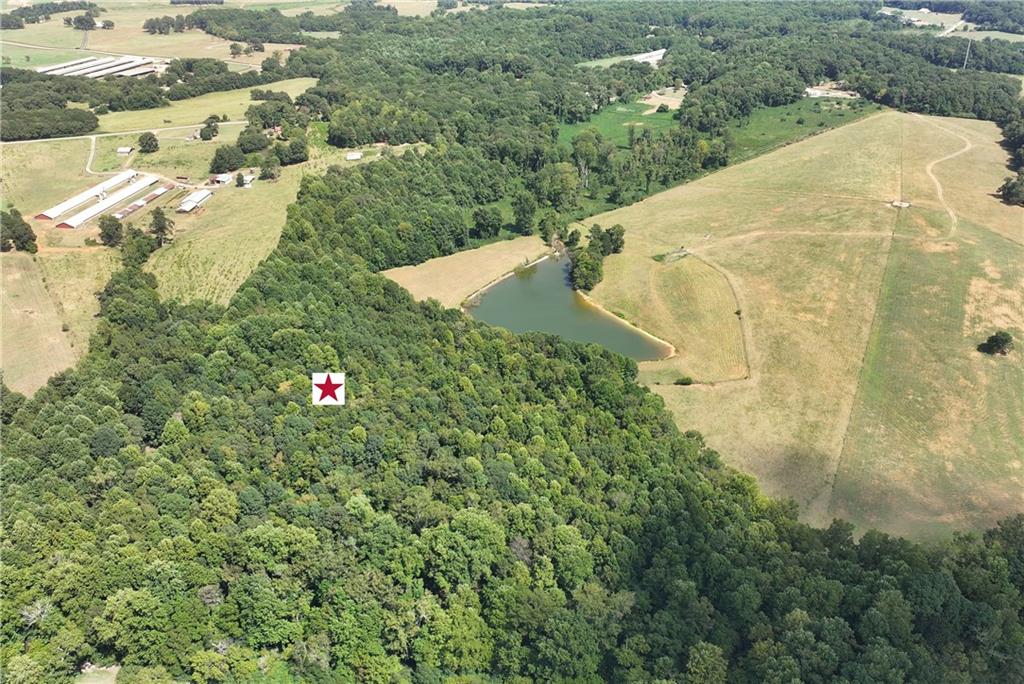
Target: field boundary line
column 826, row 497
column 790, row 193
column 797, row 141
column 113, row 133
column 746, row 337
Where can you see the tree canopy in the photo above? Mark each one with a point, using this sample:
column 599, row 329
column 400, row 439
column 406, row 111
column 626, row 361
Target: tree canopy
column 487, row 506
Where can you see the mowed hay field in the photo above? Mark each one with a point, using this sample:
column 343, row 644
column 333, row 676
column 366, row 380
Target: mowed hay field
column 865, row 396
column 48, row 305
column 937, row 433
column 177, row 156
column 681, row 299
column 216, row 247
column 451, row 279
column 232, row 103
column 34, row 176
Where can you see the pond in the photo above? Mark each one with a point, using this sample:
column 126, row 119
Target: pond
column 540, row 298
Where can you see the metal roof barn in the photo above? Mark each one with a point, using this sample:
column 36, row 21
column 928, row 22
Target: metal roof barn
column 84, row 67
column 139, row 203
column 193, row 201
column 93, row 192
column 121, row 65
column 63, row 65
column 101, row 206
column 138, row 71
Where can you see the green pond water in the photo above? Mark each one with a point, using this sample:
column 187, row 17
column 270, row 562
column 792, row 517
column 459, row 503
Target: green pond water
column 540, row 298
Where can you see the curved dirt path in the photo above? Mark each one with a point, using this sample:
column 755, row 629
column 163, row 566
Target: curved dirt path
column 92, row 154
column 954, row 220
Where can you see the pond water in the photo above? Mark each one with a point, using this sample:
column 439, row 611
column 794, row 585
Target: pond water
column 540, row 298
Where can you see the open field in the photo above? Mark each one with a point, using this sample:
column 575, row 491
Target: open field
column 765, row 130
column 670, row 97
column 219, row 245
column 98, row 675
column 771, row 127
column 861, row 320
column 613, row 122
column 176, row 157
column 680, row 298
column 233, row 103
column 48, row 305
column 605, row 62
column 452, row 279
column 30, row 58
column 937, row 432
column 1000, row 35
column 23, row 167
column 412, row 8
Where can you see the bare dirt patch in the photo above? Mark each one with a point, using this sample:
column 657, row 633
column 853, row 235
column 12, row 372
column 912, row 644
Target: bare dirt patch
column 670, row 97
column 993, row 305
column 451, row 279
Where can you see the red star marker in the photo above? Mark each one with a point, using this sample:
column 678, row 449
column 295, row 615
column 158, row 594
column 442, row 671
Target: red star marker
column 331, row 390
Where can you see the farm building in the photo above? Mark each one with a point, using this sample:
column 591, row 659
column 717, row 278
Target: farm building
column 194, row 200
column 53, row 68
column 98, row 67
column 94, row 192
column 109, row 201
column 139, row 203
column 223, row 178
column 652, row 58
column 125, row 150
column 353, row 156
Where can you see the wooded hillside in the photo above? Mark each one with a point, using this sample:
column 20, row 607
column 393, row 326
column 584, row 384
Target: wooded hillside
column 487, row 506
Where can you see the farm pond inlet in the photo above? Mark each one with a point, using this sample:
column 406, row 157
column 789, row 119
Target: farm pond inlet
column 540, row 298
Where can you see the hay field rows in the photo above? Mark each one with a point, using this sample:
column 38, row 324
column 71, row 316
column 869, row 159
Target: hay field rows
column 217, row 247
column 866, row 397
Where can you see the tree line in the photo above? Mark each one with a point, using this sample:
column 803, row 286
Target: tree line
column 41, row 11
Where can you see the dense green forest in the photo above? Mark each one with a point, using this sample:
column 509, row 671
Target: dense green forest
column 487, row 506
